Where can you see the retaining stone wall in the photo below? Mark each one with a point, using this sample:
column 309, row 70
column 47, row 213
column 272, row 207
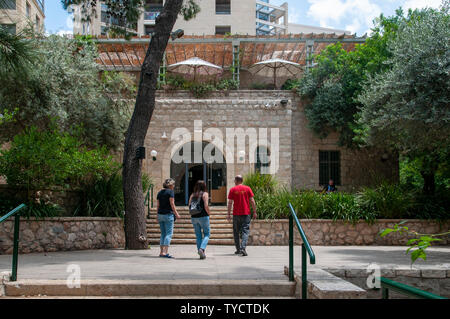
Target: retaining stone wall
column 329, row 233
column 63, row 234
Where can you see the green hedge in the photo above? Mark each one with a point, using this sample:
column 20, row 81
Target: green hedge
column 386, row 201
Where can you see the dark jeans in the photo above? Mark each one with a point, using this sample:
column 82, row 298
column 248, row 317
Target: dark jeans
column 241, row 229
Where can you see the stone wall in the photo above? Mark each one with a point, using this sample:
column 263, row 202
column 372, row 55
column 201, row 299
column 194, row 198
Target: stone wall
column 62, row 234
column 329, row 233
column 358, row 167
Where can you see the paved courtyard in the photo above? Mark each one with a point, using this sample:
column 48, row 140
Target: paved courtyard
column 263, row 263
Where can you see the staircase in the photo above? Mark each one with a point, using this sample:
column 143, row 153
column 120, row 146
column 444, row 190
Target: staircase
column 221, row 229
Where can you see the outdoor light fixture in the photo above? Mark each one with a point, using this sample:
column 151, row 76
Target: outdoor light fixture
column 164, row 136
column 140, row 153
column 177, row 34
column 154, row 154
column 241, row 155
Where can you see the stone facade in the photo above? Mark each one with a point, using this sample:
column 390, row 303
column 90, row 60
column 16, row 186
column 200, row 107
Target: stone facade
column 63, row 234
column 323, row 232
column 250, row 109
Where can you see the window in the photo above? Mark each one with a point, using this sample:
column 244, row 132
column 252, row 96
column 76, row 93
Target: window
column 38, row 23
column 222, row 30
column 262, row 164
column 28, row 10
column 329, row 167
column 223, row 6
column 11, row 28
column 8, row 4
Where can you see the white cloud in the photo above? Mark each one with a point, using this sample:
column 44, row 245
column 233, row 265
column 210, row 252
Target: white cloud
column 338, row 12
column 420, row 4
column 65, row 32
column 294, row 16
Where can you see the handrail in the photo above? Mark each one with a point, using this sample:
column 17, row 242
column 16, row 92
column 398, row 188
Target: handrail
column 306, row 248
column 16, row 213
column 387, row 284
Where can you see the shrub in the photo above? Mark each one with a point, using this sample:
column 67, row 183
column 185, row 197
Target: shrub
column 40, row 160
column 227, row 84
column 291, row 84
column 37, row 210
column 387, row 200
column 260, row 182
column 104, row 197
column 201, row 90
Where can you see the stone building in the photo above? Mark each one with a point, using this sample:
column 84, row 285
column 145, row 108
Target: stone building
column 241, row 131
column 19, row 14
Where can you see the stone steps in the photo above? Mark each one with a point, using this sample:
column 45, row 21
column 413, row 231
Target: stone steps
column 128, row 288
column 221, row 229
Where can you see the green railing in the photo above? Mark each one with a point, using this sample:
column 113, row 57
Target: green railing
column 306, row 248
column 387, row 284
column 16, row 213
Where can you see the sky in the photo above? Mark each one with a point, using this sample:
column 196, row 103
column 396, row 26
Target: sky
column 355, row 16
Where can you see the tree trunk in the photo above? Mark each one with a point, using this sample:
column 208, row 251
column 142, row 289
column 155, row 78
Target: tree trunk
column 430, row 165
column 429, row 185
column 135, row 219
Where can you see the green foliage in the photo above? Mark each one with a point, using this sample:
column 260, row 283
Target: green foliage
column 387, row 200
column 262, row 86
column 260, row 182
column 34, row 209
column 199, row 89
column 104, row 197
column 331, row 88
column 383, row 202
column 43, row 159
column 291, row 84
column 63, row 84
column 417, row 245
column 406, row 107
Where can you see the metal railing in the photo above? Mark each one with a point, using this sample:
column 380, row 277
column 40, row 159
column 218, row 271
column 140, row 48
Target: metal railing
column 306, row 248
column 16, row 213
column 387, row 284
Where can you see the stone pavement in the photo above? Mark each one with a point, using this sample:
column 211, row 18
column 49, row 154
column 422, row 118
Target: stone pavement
column 263, row 263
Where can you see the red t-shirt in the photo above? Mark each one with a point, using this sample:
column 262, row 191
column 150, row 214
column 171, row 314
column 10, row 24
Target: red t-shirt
column 241, row 195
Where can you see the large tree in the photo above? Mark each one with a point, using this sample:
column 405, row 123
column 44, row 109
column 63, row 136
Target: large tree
column 135, row 222
column 408, row 107
column 62, row 84
column 332, row 86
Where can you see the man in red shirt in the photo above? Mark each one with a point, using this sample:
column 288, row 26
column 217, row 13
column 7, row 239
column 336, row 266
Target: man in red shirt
column 239, row 198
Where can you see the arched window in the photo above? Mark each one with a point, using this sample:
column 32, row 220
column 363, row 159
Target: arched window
column 262, row 164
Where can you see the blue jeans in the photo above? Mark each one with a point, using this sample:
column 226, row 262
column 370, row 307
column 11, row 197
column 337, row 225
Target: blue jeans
column 202, row 231
column 166, row 225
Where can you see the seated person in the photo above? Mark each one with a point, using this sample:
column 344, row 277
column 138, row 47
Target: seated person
column 330, row 188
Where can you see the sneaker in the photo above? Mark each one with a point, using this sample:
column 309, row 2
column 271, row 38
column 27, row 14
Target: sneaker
column 201, row 252
column 237, row 252
column 244, row 253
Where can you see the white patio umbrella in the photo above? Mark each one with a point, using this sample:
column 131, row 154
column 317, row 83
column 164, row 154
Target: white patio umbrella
column 195, row 65
column 275, row 67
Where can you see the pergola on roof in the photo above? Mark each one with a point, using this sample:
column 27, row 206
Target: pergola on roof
column 128, row 55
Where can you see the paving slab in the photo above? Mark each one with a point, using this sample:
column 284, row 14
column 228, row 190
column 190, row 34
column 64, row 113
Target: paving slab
column 263, row 262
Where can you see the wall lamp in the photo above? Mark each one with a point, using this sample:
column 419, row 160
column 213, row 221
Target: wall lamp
column 154, row 154
column 140, row 153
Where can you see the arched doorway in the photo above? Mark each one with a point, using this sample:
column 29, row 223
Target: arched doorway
column 197, row 167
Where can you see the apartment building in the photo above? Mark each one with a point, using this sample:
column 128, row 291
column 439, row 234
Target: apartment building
column 216, row 17
column 19, row 14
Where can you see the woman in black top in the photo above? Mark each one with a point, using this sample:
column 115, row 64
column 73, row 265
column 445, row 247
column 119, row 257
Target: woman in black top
column 166, row 215
column 199, row 209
